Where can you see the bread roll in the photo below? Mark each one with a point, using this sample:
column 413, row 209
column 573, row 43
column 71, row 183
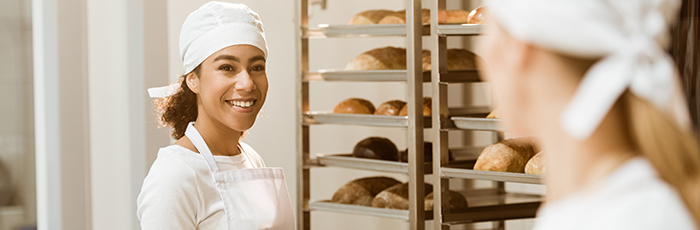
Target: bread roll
column 536, row 165
column 506, row 156
column 427, row 153
column 457, row 59
column 427, row 108
column 495, row 114
column 399, row 17
column 456, row 201
column 379, row 59
column 396, row 197
column 354, row 106
column 477, row 16
column 457, row 17
column 390, row 108
column 362, row 191
column 369, row 17
column 376, row 148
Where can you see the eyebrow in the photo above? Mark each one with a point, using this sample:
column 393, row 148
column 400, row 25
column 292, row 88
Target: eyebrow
column 236, row 59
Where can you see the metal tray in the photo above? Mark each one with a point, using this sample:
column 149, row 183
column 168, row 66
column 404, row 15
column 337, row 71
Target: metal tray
column 453, row 172
column 484, row 205
column 387, row 76
column 477, row 123
column 325, row 30
column 346, row 160
column 357, row 119
column 463, row 29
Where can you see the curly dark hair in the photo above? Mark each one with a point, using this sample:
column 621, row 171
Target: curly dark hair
column 178, row 110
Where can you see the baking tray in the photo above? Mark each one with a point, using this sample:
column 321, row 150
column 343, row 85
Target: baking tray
column 346, row 160
column 462, row 29
column 328, row 117
column 484, row 205
column 453, row 172
column 325, row 30
column 455, row 76
column 477, row 123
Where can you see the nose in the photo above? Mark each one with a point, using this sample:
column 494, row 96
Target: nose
column 244, row 82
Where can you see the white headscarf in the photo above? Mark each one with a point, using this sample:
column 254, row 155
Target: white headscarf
column 212, row 27
column 628, row 36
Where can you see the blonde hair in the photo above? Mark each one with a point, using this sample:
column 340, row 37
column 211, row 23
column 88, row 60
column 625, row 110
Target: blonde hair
column 673, row 151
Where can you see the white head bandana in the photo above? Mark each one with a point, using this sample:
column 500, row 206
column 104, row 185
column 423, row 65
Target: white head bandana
column 627, row 36
column 212, row 27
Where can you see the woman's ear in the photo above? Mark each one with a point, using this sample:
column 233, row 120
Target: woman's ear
column 192, row 82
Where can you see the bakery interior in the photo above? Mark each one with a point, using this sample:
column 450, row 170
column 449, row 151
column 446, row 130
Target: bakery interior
column 78, row 132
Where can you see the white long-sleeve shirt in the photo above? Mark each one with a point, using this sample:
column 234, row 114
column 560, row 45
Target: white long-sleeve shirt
column 179, row 191
column 630, row 198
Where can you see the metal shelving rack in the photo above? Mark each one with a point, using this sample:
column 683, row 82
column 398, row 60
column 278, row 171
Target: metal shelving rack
column 484, row 205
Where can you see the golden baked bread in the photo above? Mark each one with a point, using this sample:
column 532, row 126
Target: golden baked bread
column 457, row 17
column 369, row 17
column 379, row 59
column 399, row 17
column 390, row 108
column 477, row 16
column 495, row 114
column 396, row 197
column 457, row 59
column 354, row 106
column 362, row 191
column 427, row 107
column 536, row 165
column 376, row 148
column 509, row 155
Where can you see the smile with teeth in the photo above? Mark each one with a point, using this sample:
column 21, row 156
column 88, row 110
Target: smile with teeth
column 242, row 104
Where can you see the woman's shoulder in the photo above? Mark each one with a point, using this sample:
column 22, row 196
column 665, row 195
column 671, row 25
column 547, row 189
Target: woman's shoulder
column 176, row 162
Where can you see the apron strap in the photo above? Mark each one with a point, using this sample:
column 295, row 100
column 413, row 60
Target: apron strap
column 201, row 146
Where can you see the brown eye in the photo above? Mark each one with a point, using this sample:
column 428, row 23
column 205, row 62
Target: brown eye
column 226, row 68
column 257, row 68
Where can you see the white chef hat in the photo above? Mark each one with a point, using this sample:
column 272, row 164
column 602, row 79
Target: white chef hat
column 212, row 27
column 627, row 36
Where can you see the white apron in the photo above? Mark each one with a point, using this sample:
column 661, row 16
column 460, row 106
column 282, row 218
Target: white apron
column 253, row 198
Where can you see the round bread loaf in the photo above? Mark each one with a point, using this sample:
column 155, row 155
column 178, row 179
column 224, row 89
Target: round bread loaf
column 376, row 148
column 396, row 197
column 427, row 107
column 509, row 155
column 369, row 17
column 477, row 16
column 354, row 106
column 457, row 59
column 427, row 153
column 536, row 165
column 362, row 191
column 390, row 108
column 495, row 114
column 379, row 59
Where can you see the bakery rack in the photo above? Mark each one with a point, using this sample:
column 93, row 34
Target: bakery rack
column 484, row 205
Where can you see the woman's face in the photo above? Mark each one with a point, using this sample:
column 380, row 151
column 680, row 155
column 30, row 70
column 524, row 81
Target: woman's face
column 503, row 68
column 231, row 86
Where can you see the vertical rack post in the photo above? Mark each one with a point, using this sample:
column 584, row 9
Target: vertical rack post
column 439, row 114
column 302, row 106
column 414, row 53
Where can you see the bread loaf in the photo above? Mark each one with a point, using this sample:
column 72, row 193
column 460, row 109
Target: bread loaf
column 376, row 148
column 399, row 17
column 427, row 107
column 457, row 59
column 362, row 191
column 536, row 165
column 396, row 197
column 495, row 114
column 369, row 17
column 390, row 108
column 354, row 106
column 477, row 16
column 509, row 155
column 457, row 17
column 379, row 59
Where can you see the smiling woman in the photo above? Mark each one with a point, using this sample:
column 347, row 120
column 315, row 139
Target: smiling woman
column 209, row 179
